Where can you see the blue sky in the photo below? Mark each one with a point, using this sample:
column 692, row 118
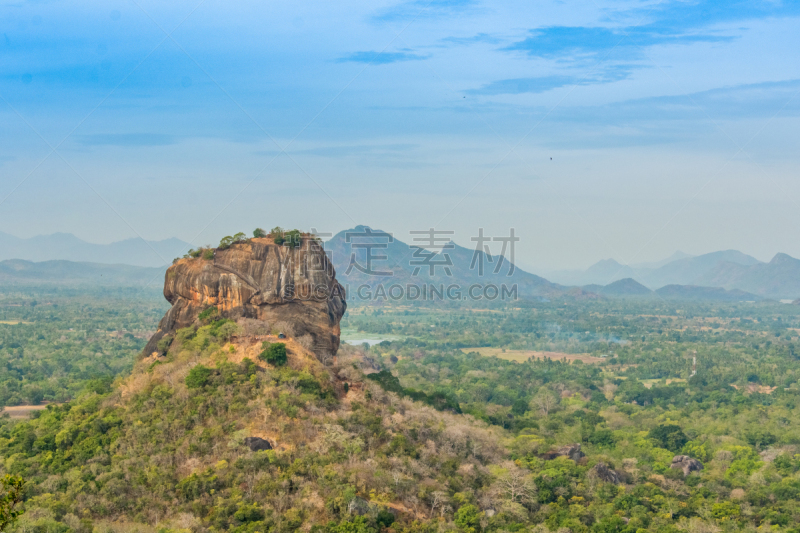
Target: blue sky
column 670, row 124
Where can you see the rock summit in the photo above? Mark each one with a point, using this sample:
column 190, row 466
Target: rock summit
column 258, row 282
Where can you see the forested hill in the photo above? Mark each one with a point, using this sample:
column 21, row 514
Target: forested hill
column 231, row 432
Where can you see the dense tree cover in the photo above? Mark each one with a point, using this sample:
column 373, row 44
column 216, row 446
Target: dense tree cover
column 156, row 451
column 10, row 499
column 164, row 448
column 596, row 327
column 744, row 352
column 438, row 399
column 53, row 341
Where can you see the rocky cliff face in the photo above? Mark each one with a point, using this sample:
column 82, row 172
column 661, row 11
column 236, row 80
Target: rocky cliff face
column 259, row 281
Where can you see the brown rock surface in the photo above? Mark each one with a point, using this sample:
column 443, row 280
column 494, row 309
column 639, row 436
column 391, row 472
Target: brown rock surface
column 259, row 280
column 604, row 473
column 573, row 451
column 686, row 463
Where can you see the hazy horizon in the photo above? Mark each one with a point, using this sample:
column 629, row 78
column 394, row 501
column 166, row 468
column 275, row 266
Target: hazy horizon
column 533, row 268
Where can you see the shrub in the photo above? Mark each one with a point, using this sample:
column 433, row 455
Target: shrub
column 725, row 510
column 759, row 437
column 519, row 408
column 602, row 437
column 198, row 377
column 185, row 334
column 228, row 330
column 208, row 254
column 225, row 242
column 195, row 253
column 164, row 343
column 609, row 524
column 252, row 326
column 359, row 524
column 13, row 488
column 208, row 315
column 699, row 450
column 306, row 341
column 249, row 513
column 274, row 354
column 468, row 518
column 384, row 518
column 284, row 327
column 670, row 437
column 276, row 234
column 258, row 233
column 439, row 400
column 99, row 385
column 292, row 238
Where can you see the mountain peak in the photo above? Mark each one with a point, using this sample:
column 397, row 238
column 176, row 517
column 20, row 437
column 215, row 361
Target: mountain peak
column 625, row 287
column 782, row 259
column 607, row 262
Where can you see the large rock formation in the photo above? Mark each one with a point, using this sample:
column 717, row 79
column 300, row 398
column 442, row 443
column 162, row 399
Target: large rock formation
column 604, row 473
column 262, row 281
column 257, row 444
column 573, row 451
column 686, row 463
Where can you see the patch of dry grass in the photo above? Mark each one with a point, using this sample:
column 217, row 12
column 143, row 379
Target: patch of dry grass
column 22, row 411
column 520, row 356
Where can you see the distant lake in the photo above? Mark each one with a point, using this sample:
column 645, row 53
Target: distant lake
column 355, row 337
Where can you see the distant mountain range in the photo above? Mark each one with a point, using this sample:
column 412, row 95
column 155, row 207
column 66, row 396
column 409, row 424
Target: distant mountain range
column 780, row 278
column 721, row 276
column 692, row 292
column 730, row 269
column 630, row 288
column 396, row 263
column 68, row 247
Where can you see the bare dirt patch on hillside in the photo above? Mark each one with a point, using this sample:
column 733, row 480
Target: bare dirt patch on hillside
column 520, row 356
column 22, row 411
column 755, row 387
column 648, row 383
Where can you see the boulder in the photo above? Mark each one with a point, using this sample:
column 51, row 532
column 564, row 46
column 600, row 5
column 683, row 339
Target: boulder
column 257, row 444
column 572, row 451
column 604, row 473
column 686, row 463
column 259, row 280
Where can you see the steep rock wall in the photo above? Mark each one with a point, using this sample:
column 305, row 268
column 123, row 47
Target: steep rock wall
column 258, row 280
